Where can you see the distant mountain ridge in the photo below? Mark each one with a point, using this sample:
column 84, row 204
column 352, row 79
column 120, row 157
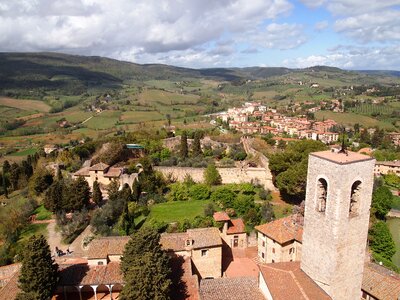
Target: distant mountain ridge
column 75, row 73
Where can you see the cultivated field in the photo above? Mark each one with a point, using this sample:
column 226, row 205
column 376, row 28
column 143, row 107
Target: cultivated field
column 31, row 105
column 352, row 118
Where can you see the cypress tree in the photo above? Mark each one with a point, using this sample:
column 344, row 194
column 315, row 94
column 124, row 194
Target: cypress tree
column 184, row 145
column 196, row 147
column 145, row 267
column 39, row 273
column 97, row 195
column 6, row 167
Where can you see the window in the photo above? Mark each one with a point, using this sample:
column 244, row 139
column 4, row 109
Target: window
column 273, row 261
column 263, row 243
column 262, row 254
column 95, row 172
column 291, row 250
column 355, row 198
column 100, row 263
column 189, row 242
column 322, row 192
column 109, row 178
column 204, row 252
column 273, row 250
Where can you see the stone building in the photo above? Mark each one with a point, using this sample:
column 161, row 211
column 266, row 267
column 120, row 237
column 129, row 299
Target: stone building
column 386, row 167
column 202, row 245
column 338, row 199
column 280, row 240
column 233, row 231
column 104, row 250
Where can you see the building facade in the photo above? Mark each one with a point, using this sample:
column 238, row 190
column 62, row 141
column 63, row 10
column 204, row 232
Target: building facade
column 338, row 199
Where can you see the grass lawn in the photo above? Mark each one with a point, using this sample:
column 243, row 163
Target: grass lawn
column 42, row 213
column 177, row 211
column 32, row 229
column 141, row 116
column 396, row 202
column 30, row 151
column 107, row 119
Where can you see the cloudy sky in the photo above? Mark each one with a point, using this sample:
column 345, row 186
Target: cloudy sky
column 350, row 34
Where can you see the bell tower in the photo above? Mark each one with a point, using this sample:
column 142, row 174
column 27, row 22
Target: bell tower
column 337, row 208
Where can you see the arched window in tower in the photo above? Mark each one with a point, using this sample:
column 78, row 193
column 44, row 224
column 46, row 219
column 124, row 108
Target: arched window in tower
column 355, row 198
column 322, row 192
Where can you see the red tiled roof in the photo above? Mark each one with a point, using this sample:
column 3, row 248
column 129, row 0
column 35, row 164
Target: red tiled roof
column 200, row 238
column 82, row 172
column 83, row 274
column 236, row 288
column 99, row 167
column 104, row 246
column 113, row 172
column 286, row 281
column 174, row 241
column 341, row 158
column 282, row 230
column 236, row 227
column 11, row 289
column 380, row 282
column 221, row 216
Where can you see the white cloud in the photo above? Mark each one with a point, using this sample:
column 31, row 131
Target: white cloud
column 279, row 36
column 351, row 57
column 313, row 3
column 355, row 7
column 125, row 27
column 319, row 26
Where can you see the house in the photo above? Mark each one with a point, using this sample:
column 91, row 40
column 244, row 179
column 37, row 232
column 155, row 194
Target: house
column 386, row 167
column 280, row 240
column 50, row 148
column 233, row 231
column 104, row 175
column 104, row 250
column 202, row 245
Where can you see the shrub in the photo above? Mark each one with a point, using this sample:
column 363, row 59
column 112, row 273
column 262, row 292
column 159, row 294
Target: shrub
column 199, row 192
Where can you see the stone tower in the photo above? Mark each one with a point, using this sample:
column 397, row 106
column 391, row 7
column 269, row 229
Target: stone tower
column 338, row 199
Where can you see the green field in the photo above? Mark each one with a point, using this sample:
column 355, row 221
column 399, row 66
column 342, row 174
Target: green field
column 42, row 213
column 177, row 211
column 30, row 151
column 140, row 116
column 368, row 109
column 107, row 119
column 352, row 118
column 166, row 98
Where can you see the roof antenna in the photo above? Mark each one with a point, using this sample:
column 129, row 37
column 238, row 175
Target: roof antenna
column 343, row 149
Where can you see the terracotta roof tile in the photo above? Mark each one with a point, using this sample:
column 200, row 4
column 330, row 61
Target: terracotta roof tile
column 286, row 281
column 10, row 289
column 341, row 158
column 174, row 241
column 104, row 246
column 380, row 282
column 82, row 172
column 237, row 226
column 113, row 172
column 99, row 167
column 221, row 216
column 237, row 288
column 83, row 274
column 205, row 237
column 282, row 230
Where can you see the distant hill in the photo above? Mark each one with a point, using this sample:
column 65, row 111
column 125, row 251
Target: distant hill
column 34, row 74
column 381, row 72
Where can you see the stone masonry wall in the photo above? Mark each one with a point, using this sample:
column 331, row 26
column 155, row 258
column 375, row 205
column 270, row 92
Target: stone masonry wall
column 334, row 242
column 228, row 175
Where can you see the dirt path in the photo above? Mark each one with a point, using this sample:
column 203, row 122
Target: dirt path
column 54, row 238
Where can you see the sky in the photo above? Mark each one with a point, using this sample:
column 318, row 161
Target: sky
column 349, row 34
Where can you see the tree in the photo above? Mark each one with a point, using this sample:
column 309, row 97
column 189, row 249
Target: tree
column 39, row 274
column 14, row 175
column 199, row 192
column 6, row 167
column 145, row 267
column 382, row 199
column 267, row 212
column 212, row 176
column 196, row 147
column 77, row 194
column 381, row 241
column 223, row 196
column 97, row 195
column 40, row 180
column 184, row 145
column 53, row 199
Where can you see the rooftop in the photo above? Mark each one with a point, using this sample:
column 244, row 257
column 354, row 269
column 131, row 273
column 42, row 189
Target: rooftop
column 113, row 172
column 205, row 237
column 83, row 172
column 283, row 230
column 221, row 216
column 104, row 246
column 83, row 274
column 395, row 163
column 341, row 158
column 238, row 288
column 200, row 238
column 237, row 226
column 99, row 167
column 380, row 282
column 285, row 280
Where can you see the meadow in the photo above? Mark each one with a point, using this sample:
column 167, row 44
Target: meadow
column 30, row 105
column 176, row 211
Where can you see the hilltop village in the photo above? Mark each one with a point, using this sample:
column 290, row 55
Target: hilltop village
column 242, row 246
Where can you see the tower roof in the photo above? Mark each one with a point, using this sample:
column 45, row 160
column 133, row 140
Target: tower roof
column 342, row 158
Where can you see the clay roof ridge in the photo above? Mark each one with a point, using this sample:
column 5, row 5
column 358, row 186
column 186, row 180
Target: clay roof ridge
column 299, row 285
